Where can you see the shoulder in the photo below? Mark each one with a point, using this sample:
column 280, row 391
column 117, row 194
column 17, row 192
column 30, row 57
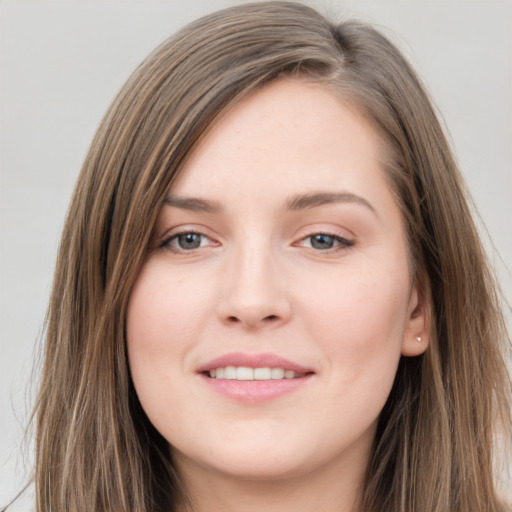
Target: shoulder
column 19, row 506
column 24, row 502
column 15, row 507
column 506, row 505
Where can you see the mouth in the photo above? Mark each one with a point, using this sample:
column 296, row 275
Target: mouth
column 242, row 366
column 254, row 378
column 248, row 373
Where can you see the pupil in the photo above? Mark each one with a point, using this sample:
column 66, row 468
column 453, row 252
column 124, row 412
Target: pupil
column 189, row 241
column 322, row 241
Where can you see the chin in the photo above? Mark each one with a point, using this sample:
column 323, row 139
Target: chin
column 268, row 468
column 249, row 460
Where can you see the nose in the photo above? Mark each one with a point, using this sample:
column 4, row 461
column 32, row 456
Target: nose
column 256, row 295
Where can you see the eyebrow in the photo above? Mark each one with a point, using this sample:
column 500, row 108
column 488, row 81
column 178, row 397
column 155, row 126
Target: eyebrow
column 194, row 204
column 295, row 202
column 314, row 199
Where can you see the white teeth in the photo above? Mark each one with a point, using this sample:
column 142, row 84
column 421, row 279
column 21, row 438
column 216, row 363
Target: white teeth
column 277, row 373
column 243, row 373
column 246, row 373
column 262, row 373
column 230, row 372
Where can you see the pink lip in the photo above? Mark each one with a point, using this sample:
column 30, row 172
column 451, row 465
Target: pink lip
column 254, row 391
column 253, row 361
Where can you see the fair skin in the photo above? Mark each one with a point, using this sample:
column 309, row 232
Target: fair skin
column 280, row 239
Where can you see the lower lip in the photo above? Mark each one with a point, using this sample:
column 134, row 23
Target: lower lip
column 255, row 391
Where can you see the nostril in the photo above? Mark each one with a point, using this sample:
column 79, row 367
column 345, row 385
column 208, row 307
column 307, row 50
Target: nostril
column 252, row 318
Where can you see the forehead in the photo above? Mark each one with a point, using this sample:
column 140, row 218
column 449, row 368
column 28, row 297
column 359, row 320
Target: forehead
column 290, row 136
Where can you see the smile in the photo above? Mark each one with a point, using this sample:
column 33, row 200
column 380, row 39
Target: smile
column 246, row 373
column 254, row 378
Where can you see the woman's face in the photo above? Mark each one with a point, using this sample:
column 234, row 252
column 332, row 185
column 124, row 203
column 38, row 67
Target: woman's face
column 279, row 257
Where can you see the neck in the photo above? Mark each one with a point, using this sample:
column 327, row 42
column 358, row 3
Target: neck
column 331, row 489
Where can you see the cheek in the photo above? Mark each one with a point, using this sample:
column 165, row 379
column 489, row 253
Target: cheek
column 159, row 328
column 361, row 323
column 163, row 313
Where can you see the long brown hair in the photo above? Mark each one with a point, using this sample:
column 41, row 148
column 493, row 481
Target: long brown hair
column 433, row 452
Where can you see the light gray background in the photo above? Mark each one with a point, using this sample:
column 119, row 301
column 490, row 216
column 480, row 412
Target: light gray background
column 61, row 63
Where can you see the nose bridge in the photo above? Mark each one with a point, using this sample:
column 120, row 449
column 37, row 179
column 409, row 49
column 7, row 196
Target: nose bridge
column 255, row 292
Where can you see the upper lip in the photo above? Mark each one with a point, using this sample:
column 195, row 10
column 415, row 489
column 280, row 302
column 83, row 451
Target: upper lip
column 264, row 360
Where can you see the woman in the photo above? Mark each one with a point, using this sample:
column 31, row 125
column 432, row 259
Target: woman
column 262, row 299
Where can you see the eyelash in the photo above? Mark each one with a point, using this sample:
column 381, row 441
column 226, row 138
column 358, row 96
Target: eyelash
column 167, row 243
column 340, row 242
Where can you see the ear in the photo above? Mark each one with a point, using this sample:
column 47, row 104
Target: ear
column 417, row 332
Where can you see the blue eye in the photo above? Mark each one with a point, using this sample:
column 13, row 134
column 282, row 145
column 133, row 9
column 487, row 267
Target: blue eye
column 324, row 242
column 187, row 241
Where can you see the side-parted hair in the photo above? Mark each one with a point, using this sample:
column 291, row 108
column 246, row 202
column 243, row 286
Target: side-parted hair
column 433, row 452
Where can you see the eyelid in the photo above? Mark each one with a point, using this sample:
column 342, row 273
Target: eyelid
column 345, row 242
column 174, row 233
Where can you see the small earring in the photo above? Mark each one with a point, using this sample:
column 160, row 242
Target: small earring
column 418, row 338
